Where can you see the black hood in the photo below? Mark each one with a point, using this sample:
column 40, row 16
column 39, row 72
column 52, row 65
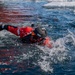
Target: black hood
column 40, row 32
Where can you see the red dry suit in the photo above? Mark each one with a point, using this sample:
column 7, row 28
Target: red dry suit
column 25, row 35
column 20, row 31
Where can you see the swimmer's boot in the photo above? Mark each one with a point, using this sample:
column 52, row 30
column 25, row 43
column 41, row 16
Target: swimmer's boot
column 2, row 27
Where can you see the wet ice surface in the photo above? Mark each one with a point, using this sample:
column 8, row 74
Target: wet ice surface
column 20, row 58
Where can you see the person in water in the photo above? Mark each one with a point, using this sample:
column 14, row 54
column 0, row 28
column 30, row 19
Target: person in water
column 29, row 34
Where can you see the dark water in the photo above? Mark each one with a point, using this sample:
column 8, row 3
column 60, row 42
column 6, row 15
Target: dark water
column 17, row 58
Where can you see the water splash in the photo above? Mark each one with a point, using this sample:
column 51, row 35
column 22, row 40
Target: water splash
column 71, row 34
column 58, row 54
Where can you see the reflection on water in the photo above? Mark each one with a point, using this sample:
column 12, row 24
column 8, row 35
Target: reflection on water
column 14, row 13
column 15, row 58
column 9, row 63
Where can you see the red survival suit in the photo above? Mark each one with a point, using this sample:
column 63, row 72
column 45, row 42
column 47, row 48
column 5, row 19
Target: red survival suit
column 25, row 35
